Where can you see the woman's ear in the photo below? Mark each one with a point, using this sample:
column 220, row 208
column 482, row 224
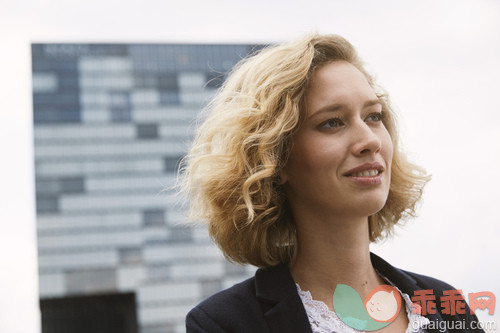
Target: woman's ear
column 282, row 177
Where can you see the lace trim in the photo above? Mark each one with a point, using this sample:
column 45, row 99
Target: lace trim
column 324, row 320
column 321, row 318
column 417, row 322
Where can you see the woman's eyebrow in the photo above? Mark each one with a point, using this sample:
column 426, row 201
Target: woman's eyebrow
column 372, row 102
column 339, row 106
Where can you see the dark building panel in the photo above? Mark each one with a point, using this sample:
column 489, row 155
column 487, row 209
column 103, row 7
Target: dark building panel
column 68, row 83
column 130, row 255
column 171, row 163
column 147, row 131
column 169, row 98
column 66, row 66
column 55, row 115
column 145, row 81
column 121, row 114
column 108, row 313
column 46, row 203
column 153, row 217
column 68, row 100
column 60, row 185
column 63, row 104
column 72, row 184
column 168, row 82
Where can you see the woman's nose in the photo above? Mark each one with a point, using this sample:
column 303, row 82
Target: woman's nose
column 365, row 140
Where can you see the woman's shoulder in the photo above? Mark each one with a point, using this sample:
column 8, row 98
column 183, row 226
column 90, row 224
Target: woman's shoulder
column 269, row 299
column 429, row 282
column 233, row 309
column 406, row 278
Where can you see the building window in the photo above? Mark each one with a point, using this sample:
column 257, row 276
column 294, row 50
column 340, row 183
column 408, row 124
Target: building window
column 55, row 116
column 120, row 114
column 130, row 255
column 147, row 131
column 47, row 186
column 171, row 163
column 47, row 203
column 61, row 185
column 72, row 185
column 119, row 104
column 145, row 81
column 168, row 82
column 169, row 98
column 153, row 217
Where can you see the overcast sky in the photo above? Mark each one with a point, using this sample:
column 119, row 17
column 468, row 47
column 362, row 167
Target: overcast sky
column 438, row 59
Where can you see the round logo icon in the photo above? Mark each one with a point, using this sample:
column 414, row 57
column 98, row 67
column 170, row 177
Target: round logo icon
column 379, row 309
column 383, row 303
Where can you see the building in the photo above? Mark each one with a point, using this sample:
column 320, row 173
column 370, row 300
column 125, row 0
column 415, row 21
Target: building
column 111, row 122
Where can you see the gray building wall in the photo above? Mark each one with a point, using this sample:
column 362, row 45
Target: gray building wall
column 111, row 122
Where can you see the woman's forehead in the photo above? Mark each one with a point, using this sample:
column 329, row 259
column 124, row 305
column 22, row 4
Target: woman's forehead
column 335, row 85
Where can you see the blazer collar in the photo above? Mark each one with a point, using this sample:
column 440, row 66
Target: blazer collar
column 283, row 308
column 280, row 301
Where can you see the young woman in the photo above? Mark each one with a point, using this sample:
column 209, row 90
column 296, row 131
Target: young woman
column 296, row 169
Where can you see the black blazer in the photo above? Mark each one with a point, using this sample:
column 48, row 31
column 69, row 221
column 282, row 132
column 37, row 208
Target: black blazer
column 269, row 302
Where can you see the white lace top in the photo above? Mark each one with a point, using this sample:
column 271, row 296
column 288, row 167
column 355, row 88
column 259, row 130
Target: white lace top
column 323, row 320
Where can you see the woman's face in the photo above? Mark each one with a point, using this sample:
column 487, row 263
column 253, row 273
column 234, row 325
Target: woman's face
column 340, row 160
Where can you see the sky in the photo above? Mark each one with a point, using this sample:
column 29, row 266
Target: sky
column 438, row 59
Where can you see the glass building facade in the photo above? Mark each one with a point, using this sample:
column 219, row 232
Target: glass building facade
column 111, row 122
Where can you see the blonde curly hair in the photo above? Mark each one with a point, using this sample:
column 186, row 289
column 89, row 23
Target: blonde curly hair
column 231, row 171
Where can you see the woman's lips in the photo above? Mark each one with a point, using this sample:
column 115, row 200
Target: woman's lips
column 366, row 174
column 366, row 169
column 367, row 177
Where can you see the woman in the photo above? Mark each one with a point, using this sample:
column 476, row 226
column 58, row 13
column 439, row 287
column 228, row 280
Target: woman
column 296, row 169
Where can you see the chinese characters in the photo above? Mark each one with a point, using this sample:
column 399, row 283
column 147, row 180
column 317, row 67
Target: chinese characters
column 452, row 302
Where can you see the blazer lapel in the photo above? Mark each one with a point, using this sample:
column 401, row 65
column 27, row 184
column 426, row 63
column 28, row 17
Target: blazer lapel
column 282, row 307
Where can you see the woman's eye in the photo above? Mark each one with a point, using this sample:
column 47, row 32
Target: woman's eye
column 376, row 116
column 331, row 123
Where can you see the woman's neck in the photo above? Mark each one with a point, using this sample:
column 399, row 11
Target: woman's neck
column 329, row 253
